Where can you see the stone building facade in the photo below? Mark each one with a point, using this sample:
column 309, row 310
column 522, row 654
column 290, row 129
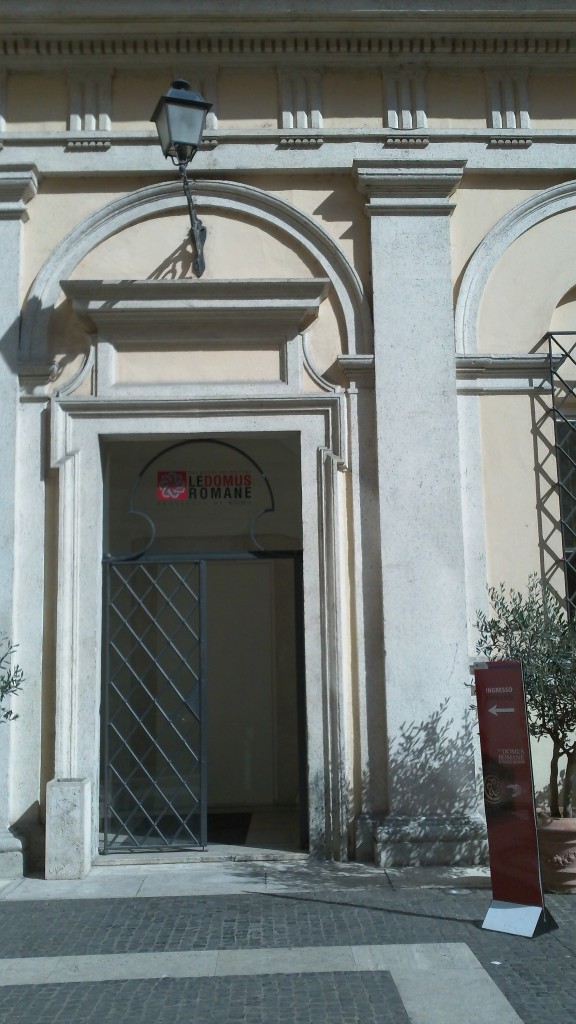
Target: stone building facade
column 315, row 456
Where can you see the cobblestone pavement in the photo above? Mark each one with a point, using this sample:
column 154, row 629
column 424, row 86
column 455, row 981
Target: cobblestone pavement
column 536, row 976
column 305, row 998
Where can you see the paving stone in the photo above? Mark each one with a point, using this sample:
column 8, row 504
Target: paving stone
column 226, row 922
column 537, row 976
column 355, row 998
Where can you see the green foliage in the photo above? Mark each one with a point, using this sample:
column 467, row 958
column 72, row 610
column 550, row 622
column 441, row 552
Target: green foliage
column 11, row 677
column 533, row 628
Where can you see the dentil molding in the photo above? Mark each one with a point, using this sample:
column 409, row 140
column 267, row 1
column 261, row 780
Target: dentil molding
column 117, row 44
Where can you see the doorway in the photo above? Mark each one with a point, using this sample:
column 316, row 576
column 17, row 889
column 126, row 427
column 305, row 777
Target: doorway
column 203, row 741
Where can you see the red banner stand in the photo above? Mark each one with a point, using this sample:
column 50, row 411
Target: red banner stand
column 517, row 906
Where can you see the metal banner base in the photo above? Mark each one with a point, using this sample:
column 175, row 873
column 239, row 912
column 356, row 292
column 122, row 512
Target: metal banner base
column 516, row 919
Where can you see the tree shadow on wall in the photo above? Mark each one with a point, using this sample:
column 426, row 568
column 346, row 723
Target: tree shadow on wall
column 432, row 766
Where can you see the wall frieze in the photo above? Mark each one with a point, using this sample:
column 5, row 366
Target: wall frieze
column 286, row 47
column 334, row 151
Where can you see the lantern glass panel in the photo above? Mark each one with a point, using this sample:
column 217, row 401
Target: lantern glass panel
column 161, row 120
column 185, row 124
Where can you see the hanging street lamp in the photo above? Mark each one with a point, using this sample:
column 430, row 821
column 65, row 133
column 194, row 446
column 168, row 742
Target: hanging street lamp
column 180, row 118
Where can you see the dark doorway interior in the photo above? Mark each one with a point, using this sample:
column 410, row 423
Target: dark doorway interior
column 203, row 712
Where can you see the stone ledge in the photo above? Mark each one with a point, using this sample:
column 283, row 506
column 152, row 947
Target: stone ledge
column 429, row 829
column 425, row 841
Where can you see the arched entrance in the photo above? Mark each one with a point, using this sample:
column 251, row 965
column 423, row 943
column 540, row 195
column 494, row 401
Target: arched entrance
column 164, row 359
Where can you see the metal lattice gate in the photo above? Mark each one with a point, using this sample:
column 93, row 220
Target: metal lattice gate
column 562, row 349
column 154, row 745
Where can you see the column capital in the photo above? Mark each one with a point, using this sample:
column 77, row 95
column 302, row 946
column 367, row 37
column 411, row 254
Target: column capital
column 408, row 186
column 17, row 187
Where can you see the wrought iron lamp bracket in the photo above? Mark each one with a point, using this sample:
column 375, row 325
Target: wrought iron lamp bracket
column 197, row 228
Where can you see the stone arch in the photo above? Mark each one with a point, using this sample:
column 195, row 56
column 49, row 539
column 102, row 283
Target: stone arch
column 153, row 200
column 528, row 214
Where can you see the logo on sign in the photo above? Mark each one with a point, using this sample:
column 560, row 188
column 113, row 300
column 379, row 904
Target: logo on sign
column 493, row 789
column 171, row 485
column 219, row 487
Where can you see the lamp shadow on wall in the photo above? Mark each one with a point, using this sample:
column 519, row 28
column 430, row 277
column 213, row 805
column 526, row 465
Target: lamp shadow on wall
column 178, row 264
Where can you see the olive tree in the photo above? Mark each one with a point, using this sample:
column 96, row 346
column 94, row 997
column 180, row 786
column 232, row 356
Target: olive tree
column 533, row 628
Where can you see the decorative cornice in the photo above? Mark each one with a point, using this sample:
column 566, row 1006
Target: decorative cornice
column 139, row 310
column 358, row 369
column 34, row 378
column 507, row 365
column 504, row 373
column 17, row 188
column 65, row 409
column 123, row 44
column 408, row 186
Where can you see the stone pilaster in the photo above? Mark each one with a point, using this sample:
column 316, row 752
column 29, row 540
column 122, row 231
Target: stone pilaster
column 432, row 803
column 17, row 187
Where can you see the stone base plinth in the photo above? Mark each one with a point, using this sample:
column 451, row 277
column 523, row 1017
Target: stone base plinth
column 68, row 826
column 426, row 841
column 11, row 856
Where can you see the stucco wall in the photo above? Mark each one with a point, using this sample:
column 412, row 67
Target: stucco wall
column 297, row 107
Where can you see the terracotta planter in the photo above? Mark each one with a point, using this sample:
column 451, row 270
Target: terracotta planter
column 557, row 839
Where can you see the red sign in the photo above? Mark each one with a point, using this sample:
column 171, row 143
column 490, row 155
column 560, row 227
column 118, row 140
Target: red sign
column 171, row 485
column 508, row 788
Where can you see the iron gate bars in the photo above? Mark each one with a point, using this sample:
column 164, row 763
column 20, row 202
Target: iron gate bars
column 562, row 350
column 154, row 737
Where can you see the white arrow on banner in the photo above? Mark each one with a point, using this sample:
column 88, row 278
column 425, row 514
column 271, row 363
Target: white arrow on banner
column 495, row 710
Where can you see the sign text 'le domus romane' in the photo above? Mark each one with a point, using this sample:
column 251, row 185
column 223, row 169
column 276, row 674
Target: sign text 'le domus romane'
column 217, row 486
